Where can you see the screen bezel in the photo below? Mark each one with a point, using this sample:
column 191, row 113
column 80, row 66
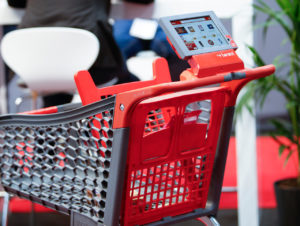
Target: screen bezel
column 174, row 37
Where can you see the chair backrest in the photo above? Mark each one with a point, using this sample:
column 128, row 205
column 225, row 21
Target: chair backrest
column 47, row 58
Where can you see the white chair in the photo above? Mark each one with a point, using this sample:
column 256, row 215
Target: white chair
column 47, row 58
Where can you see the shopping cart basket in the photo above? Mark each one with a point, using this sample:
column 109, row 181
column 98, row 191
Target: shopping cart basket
column 149, row 152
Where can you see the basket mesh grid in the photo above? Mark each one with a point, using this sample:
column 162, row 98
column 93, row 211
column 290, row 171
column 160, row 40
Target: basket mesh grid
column 170, row 184
column 176, row 181
column 65, row 166
column 157, row 119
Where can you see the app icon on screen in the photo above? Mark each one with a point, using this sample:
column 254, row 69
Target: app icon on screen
column 210, row 42
column 181, row 30
column 191, row 45
column 200, row 27
column 191, row 29
column 210, row 26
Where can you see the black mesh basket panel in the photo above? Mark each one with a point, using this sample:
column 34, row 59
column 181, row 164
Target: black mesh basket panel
column 62, row 160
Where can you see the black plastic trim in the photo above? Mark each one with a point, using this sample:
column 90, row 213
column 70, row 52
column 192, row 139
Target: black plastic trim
column 78, row 219
column 68, row 107
column 215, row 188
column 234, row 76
column 57, row 118
column 117, row 176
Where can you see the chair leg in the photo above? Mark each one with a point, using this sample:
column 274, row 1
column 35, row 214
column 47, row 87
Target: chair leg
column 209, row 221
column 34, row 100
column 5, row 208
column 4, row 219
column 19, row 100
column 32, row 215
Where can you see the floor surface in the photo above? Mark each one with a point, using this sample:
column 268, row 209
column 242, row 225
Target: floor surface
column 268, row 217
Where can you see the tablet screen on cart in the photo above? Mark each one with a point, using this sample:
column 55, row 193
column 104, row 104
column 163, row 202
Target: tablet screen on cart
column 197, row 33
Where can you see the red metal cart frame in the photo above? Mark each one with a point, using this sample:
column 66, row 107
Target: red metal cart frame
column 141, row 153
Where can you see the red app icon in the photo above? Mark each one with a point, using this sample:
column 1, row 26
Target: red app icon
column 191, row 45
column 210, row 42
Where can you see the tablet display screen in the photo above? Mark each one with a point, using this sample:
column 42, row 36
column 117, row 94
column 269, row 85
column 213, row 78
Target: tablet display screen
column 198, row 33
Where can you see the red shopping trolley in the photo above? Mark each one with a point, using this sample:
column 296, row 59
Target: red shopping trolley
column 143, row 153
